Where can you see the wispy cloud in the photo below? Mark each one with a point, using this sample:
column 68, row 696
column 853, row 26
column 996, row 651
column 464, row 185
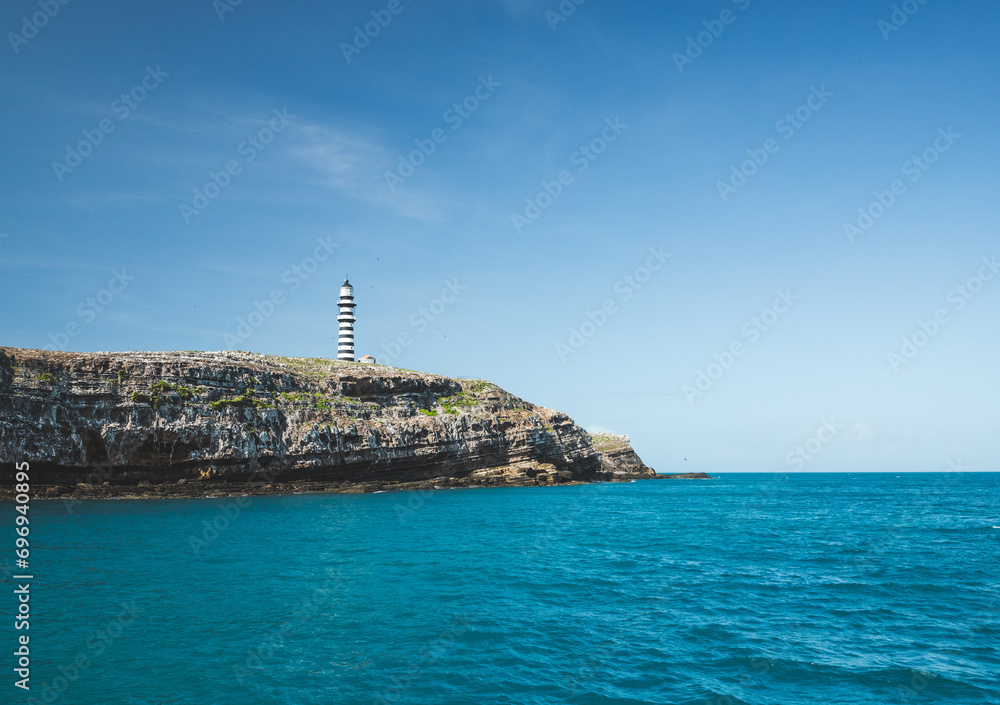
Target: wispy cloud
column 50, row 264
column 315, row 159
column 354, row 166
column 119, row 199
column 344, row 162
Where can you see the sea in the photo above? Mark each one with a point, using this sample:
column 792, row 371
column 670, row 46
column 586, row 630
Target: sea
column 773, row 589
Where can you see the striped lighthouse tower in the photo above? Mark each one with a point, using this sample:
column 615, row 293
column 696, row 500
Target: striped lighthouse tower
column 345, row 347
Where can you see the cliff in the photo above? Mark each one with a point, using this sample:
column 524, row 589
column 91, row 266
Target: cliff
column 617, row 456
column 203, row 424
column 619, row 461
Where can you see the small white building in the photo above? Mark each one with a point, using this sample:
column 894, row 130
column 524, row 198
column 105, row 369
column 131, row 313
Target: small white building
column 367, row 358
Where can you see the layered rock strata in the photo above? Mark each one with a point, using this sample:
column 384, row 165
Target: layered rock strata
column 148, row 424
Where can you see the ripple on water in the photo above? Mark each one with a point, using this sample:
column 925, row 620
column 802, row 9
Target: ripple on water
column 832, row 589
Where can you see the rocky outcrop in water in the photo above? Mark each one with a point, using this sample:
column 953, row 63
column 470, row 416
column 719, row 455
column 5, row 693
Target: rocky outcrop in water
column 619, row 461
column 617, row 456
column 195, row 424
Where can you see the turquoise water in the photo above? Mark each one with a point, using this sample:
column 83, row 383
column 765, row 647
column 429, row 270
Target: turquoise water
column 743, row 589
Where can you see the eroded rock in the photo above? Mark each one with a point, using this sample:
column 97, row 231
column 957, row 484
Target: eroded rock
column 203, row 423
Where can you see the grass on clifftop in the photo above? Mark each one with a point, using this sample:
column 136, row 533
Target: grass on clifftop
column 608, row 441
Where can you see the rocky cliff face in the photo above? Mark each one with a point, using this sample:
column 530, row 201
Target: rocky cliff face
column 620, row 462
column 617, row 456
column 191, row 424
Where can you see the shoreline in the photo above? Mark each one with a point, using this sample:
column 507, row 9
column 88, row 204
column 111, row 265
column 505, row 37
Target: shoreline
column 209, row 489
column 193, row 424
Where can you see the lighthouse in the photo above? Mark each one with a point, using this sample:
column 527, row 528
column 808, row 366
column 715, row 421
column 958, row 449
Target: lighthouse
column 345, row 347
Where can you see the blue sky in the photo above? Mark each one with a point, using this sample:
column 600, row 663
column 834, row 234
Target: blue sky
column 616, row 108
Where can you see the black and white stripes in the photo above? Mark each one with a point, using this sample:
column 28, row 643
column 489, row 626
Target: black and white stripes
column 345, row 347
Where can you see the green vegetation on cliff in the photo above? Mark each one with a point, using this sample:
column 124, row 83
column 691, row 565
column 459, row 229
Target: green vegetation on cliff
column 166, row 417
column 608, row 441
